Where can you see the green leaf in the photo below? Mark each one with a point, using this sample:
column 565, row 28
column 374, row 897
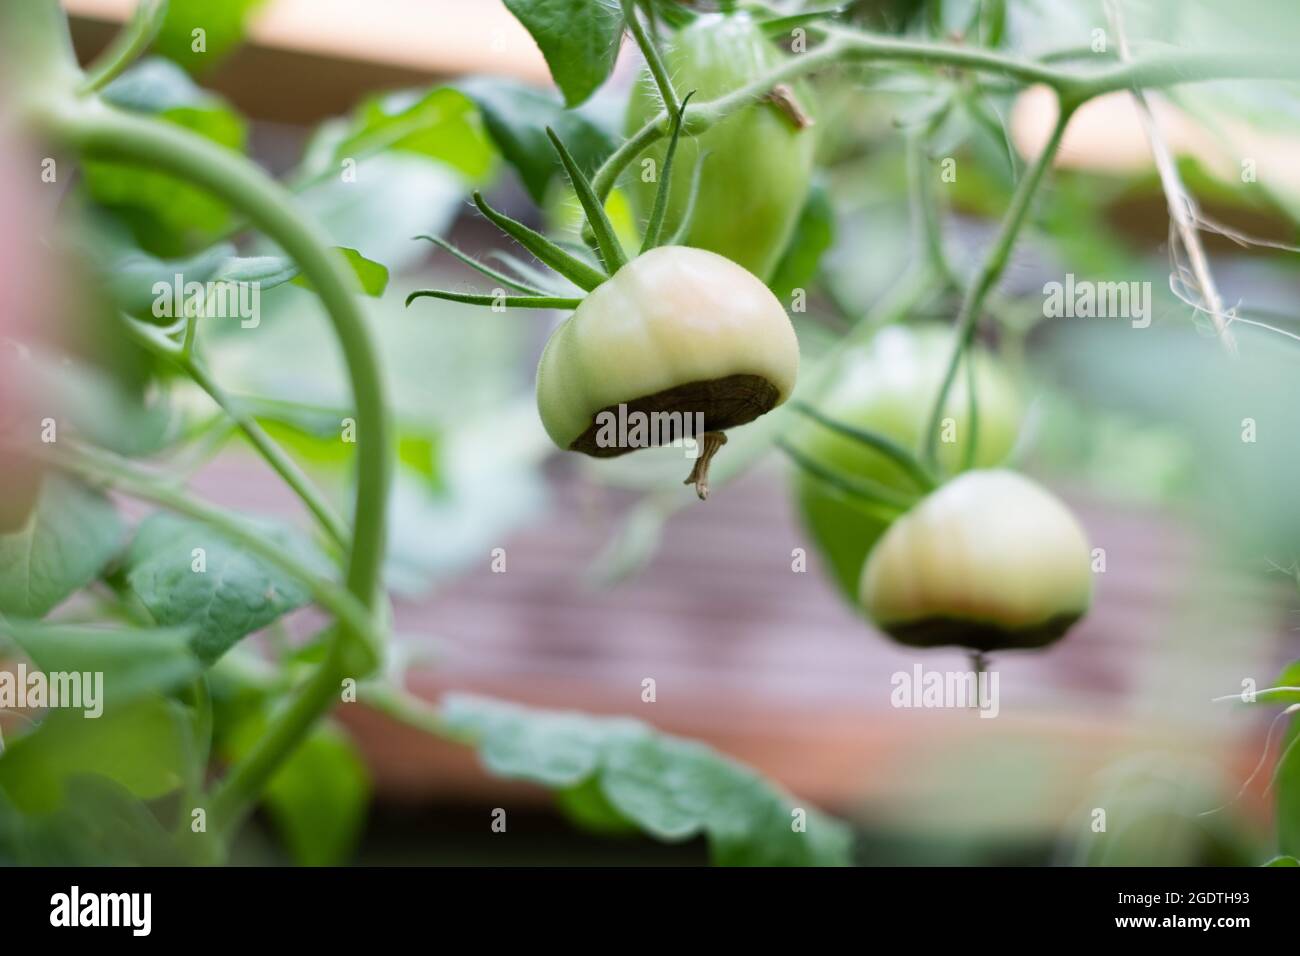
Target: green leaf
column 169, row 216
column 587, row 807
column 516, row 117
column 607, row 244
column 267, row 271
column 132, row 275
column 1290, row 677
column 145, row 746
column 1288, row 791
column 442, row 124
column 317, row 799
column 99, row 823
column 814, row 234
column 580, row 40
column 372, row 276
column 672, row 789
column 271, row 271
column 394, row 196
column 234, row 593
column 134, row 661
column 66, row 543
column 1283, row 861
column 222, row 22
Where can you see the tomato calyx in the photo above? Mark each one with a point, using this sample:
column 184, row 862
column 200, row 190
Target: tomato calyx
column 681, row 339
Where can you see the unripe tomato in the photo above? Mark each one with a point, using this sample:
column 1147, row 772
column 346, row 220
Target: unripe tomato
column 675, row 330
column 989, row 561
column 888, row 386
column 759, row 162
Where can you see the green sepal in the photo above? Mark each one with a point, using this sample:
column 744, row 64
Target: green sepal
column 571, row 267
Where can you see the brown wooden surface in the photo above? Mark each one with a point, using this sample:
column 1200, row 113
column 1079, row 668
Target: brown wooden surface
column 771, row 667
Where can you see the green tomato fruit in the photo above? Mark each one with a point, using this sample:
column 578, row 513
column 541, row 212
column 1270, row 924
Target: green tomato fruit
column 758, row 162
column 887, row 386
column 989, row 561
column 677, row 331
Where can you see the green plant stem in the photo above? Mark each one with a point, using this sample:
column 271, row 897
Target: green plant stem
column 274, row 455
column 851, row 46
column 672, row 105
column 266, row 446
column 100, row 467
column 102, row 131
column 924, row 208
column 95, row 129
column 882, row 499
column 127, row 47
column 990, row 272
column 405, row 707
column 242, row 786
column 885, row 445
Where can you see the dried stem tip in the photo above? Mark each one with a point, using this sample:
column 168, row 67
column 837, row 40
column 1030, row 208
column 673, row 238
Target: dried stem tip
column 699, row 476
column 784, row 99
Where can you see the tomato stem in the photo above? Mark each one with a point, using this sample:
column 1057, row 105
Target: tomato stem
column 127, row 47
column 96, row 129
column 672, row 106
column 699, row 476
column 990, row 272
column 844, row 45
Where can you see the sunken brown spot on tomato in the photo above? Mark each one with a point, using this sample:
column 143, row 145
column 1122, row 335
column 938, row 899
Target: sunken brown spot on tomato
column 978, row 635
column 725, row 403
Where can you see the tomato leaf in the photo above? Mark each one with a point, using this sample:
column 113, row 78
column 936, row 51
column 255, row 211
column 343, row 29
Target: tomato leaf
column 145, row 746
column 814, row 234
column 516, row 117
column 100, row 823
column 187, row 574
column 1290, row 677
column 134, row 661
column 317, row 799
column 66, row 543
column 670, row 788
column 267, row 271
column 580, row 40
column 372, row 276
column 393, row 196
column 198, row 34
column 168, row 215
column 440, row 124
column 131, row 277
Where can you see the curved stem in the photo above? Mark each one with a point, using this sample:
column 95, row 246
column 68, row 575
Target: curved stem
column 1073, row 87
column 98, row 130
column 990, row 272
column 244, row 783
column 274, row 455
column 127, row 46
column 266, row 446
column 885, row 445
column 104, row 468
column 652, row 58
column 93, row 128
